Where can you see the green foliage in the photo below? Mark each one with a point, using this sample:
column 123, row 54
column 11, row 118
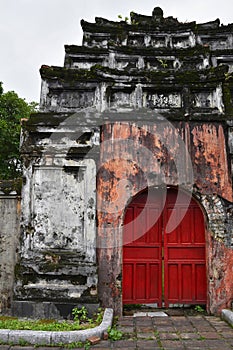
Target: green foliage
column 80, row 314
column 126, row 19
column 198, row 308
column 81, row 321
column 22, row 342
column 12, row 109
column 114, row 333
column 74, row 345
column 228, row 76
column 43, row 325
column 98, row 317
column 163, row 63
column 87, row 345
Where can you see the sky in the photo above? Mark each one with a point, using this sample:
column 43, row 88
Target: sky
column 34, row 32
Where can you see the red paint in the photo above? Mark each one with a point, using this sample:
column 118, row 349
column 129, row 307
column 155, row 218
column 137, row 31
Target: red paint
column 146, row 247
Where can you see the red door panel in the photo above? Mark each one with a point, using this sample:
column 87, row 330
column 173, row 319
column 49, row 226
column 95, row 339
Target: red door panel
column 128, row 288
column 143, row 253
column 184, row 248
column 149, row 251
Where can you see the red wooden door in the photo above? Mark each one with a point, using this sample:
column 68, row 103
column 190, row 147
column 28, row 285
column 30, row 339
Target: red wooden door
column 184, row 253
column 161, row 267
column 142, row 251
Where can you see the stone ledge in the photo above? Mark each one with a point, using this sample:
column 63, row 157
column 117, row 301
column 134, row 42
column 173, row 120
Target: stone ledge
column 227, row 315
column 53, row 338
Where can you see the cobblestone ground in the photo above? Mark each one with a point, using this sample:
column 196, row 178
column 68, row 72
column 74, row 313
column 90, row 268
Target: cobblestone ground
column 165, row 333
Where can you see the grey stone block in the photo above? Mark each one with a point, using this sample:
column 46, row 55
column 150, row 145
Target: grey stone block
column 31, row 337
column 227, row 315
column 4, row 335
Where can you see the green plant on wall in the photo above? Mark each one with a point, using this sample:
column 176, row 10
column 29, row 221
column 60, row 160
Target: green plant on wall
column 163, row 63
column 126, row 19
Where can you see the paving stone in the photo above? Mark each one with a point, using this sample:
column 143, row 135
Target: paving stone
column 147, row 320
column 148, row 347
column 125, row 320
column 148, row 335
column 121, row 348
column 166, row 329
column 196, row 344
column 140, row 314
column 210, row 335
column 126, row 329
column 213, row 318
column 169, row 336
column 215, row 347
column 215, row 343
column 201, row 324
column 229, row 341
column 124, row 343
column 102, row 345
column 222, row 328
column 157, row 314
column 162, row 320
column 228, row 334
column 197, row 347
column 189, row 336
column 45, row 348
column 179, row 318
column 145, row 329
column 185, row 328
column 205, row 329
column 172, row 344
column 183, row 323
column 146, row 324
column 19, row 347
column 147, row 344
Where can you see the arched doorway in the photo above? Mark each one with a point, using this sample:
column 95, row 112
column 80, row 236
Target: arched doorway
column 161, row 267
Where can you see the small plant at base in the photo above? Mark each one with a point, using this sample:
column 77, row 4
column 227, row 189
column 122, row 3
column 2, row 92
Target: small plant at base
column 80, row 315
column 98, row 316
column 22, row 342
column 74, row 345
column 87, row 345
column 114, row 333
column 198, row 308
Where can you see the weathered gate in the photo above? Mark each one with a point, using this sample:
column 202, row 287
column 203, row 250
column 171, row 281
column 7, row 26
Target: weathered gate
column 159, row 266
